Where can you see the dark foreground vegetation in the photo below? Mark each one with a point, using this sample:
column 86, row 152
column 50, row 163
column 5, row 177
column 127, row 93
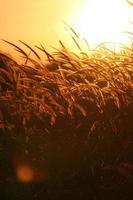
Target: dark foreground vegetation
column 70, row 117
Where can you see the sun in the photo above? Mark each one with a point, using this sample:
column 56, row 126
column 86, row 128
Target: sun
column 104, row 21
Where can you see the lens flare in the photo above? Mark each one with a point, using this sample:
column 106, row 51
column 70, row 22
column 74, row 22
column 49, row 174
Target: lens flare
column 25, row 173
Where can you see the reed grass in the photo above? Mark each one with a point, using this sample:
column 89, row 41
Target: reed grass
column 73, row 111
column 63, row 81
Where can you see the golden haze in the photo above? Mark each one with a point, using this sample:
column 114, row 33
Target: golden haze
column 35, row 21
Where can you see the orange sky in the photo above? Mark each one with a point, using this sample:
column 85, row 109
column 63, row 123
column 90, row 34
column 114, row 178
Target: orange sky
column 35, row 21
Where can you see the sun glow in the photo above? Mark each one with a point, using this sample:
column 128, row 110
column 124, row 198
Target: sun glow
column 105, row 21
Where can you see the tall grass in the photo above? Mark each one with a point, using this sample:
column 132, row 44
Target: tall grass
column 71, row 112
column 65, row 83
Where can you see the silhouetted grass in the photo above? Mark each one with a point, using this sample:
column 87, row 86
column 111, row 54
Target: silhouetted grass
column 72, row 114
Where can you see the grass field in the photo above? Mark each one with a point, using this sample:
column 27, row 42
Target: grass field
column 70, row 117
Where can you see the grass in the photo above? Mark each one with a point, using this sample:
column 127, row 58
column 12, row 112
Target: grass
column 65, row 81
column 72, row 114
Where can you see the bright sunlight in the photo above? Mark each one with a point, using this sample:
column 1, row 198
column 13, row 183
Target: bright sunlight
column 105, row 21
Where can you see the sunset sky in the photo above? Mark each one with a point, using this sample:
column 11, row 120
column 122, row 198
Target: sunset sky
column 35, row 21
